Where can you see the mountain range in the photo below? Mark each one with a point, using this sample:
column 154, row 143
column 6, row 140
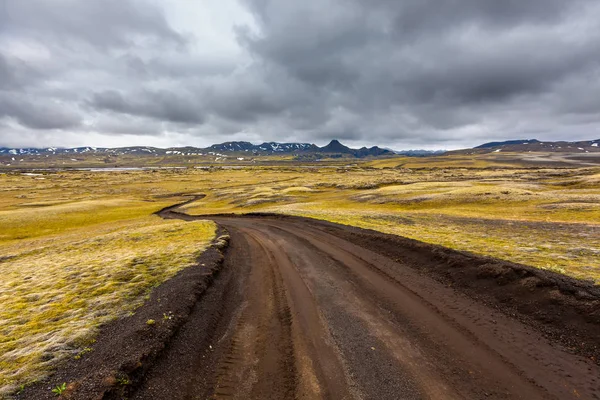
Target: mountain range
column 308, row 151
column 303, row 150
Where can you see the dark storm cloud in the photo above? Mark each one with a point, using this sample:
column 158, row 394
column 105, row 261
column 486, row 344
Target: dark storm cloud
column 428, row 58
column 388, row 72
column 465, row 50
column 418, row 16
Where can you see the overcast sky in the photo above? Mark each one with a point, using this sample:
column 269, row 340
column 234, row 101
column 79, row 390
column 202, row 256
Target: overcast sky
column 397, row 73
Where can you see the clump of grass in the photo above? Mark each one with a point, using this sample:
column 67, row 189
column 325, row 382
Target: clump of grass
column 222, row 241
column 54, row 297
column 83, row 352
column 123, row 380
column 59, row 389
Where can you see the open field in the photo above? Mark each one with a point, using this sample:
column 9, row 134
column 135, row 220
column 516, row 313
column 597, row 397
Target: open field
column 71, row 259
column 545, row 217
column 79, row 248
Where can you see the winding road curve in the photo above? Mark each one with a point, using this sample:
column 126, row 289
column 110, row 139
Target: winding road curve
column 299, row 312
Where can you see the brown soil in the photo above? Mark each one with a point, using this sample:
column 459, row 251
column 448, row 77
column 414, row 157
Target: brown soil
column 310, row 309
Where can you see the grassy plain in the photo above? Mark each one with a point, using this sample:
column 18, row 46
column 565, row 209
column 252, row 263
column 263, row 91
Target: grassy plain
column 79, row 248
column 74, row 255
column 548, row 218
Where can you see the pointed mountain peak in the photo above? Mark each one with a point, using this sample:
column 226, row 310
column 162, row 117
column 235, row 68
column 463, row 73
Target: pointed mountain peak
column 336, row 147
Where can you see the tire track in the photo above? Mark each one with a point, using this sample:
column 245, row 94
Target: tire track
column 259, row 361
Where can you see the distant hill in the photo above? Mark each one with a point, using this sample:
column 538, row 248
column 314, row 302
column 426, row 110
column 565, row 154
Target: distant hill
column 273, row 147
column 534, row 145
column 507, row 143
column 300, row 150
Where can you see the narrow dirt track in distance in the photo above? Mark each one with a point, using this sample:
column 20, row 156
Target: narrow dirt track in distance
column 299, row 312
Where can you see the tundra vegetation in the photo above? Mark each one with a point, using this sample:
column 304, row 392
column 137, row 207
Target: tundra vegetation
column 72, row 258
column 80, row 248
column 547, row 218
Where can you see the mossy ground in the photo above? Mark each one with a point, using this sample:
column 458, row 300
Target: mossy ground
column 80, row 248
column 73, row 257
column 548, row 218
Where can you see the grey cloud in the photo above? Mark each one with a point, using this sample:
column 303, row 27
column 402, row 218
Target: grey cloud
column 117, row 125
column 247, row 107
column 16, row 74
column 8, row 78
column 100, row 23
column 37, row 115
column 252, row 95
column 493, row 76
column 365, row 44
column 418, row 16
column 161, row 105
column 428, row 57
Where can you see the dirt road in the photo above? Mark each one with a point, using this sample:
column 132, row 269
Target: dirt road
column 302, row 311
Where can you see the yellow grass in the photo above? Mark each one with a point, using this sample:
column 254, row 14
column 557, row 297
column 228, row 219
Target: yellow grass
column 77, row 250
column 55, row 294
column 547, row 218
